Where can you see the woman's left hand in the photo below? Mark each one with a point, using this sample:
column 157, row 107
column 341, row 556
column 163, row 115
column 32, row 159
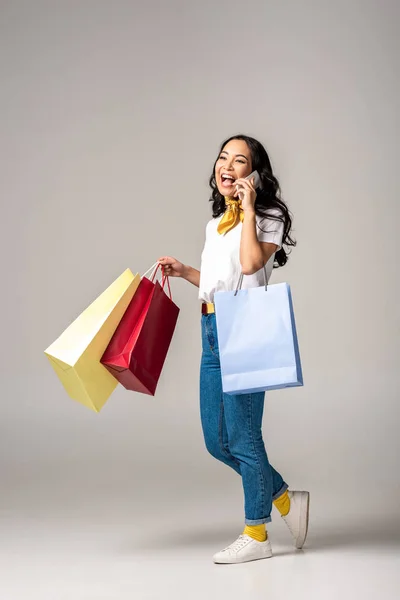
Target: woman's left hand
column 246, row 192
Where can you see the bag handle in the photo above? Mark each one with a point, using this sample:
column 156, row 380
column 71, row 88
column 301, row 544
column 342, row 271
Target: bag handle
column 164, row 279
column 240, row 282
column 152, row 268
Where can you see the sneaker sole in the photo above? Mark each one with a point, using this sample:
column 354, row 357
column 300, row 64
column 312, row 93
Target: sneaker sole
column 238, row 562
column 304, row 517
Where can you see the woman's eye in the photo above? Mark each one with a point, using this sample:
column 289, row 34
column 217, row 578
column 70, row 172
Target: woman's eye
column 241, row 161
column 222, row 158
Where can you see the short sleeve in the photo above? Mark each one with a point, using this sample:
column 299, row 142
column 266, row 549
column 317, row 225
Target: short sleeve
column 270, row 230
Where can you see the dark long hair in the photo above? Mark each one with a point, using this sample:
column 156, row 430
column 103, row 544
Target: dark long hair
column 268, row 197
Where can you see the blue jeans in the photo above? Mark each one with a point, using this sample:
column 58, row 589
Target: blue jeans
column 232, row 432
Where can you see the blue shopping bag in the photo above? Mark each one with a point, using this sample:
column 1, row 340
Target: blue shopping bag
column 257, row 339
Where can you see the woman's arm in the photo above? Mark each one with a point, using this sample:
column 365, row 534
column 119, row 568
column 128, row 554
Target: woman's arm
column 253, row 254
column 192, row 275
column 174, row 268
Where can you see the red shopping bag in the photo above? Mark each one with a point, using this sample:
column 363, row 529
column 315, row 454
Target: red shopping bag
column 139, row 346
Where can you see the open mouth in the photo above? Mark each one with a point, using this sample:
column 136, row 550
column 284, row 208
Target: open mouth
column 227, row 180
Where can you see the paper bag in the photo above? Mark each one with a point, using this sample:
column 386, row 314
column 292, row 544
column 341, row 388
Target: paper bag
column 75, row 355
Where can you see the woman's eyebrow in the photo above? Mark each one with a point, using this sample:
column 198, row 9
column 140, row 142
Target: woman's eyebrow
column 242, row 155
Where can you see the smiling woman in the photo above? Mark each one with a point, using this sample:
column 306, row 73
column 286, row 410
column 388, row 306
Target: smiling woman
column 238, row 157
column 246, row 236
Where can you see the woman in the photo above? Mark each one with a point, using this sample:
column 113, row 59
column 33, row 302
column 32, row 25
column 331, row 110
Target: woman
column 248, row 230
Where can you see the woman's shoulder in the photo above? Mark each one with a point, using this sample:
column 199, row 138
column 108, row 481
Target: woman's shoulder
column 270, row 213
column 269, row 217
column 211, row 231
column 213, row 223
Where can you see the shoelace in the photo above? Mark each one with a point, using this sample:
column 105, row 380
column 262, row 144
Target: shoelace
column 237, row 544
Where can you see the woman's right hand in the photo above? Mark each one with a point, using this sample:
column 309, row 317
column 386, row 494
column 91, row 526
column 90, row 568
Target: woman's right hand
column 172, row 267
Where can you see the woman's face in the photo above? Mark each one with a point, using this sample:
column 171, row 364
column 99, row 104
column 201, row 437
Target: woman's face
column 233, row 163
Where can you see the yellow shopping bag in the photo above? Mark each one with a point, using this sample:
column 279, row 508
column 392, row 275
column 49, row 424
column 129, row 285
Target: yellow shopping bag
column 75, row 355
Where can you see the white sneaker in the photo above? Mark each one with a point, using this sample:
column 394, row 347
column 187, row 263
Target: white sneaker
column 243, row 550
column 297, row 517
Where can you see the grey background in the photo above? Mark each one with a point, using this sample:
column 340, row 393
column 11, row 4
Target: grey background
column 111, row 117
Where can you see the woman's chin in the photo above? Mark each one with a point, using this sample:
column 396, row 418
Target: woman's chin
column 227, row 190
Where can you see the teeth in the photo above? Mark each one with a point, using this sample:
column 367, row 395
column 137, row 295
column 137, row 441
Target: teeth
column 228, row 177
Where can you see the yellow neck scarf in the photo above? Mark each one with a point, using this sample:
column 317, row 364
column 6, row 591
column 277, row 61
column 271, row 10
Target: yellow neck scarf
column 232, row 216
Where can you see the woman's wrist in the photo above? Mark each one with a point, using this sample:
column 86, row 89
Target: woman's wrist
column 186, row 272
column 249, row 213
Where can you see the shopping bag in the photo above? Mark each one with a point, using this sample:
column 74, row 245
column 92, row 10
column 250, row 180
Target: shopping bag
column 257, row 339
column 75, row 355
column 139, row 346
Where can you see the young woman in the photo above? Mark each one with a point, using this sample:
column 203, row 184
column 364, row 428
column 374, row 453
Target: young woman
column 248, row 230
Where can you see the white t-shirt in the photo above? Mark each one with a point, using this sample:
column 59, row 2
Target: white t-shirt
column 220, row 261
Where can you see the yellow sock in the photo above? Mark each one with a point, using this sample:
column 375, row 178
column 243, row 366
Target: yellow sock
column 257, row 532
column 283, row 503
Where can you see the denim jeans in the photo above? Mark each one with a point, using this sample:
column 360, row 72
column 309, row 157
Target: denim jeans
column 232, row 432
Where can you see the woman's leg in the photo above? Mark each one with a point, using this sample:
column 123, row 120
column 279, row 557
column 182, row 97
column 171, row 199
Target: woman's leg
column 213, row 405
column 211, row 399
column 261, row 482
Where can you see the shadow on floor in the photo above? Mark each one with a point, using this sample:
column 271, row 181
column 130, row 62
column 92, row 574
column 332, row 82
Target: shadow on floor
column 190, row 538
column 363, row 536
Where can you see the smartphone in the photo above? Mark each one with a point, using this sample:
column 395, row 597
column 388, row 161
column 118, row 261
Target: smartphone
column 257, row 179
